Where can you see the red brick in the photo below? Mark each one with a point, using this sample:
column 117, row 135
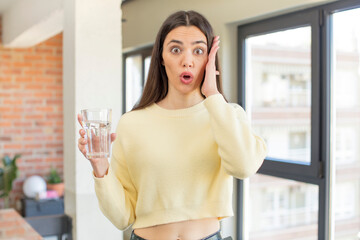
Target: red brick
column 11, row 71
column 5, row 109
column 10, row 86
column 54, row 101
column 5, row 124
column 12, row 146
column 54, row 87
column 54, row 116
column 23, row 79
column 55, row 72
column 11, row 116
column 33, row 72
column 9, row 214
column 53, row 43
column 54, row 58
column 5, row 139
column 8, row 223
column 13, row 102
column 35, row 117
column 34, row 160
column 34, row 86
column 44, row 79
column 43, row 123
column 12, row 130
column 22, row 64
column 22, row 124
column 6, row 57
column 32, row 57
column 33, row 131
column 44, row 50
column 5, row 79
column 54, row 159
column 31, row 91
column 43, row 94
column 34, row 101
column 43, row 65
column 5, row 95
column 23, row 50
column 45, row 109
column 15, row 232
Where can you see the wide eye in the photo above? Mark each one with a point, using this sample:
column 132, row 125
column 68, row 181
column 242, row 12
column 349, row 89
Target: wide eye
column 175, row 50
column 199, row 51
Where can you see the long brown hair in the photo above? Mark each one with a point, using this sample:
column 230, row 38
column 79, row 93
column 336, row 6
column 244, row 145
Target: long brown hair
column 156, row 87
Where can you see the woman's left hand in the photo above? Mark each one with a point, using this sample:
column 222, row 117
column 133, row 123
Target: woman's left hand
column 209, row 86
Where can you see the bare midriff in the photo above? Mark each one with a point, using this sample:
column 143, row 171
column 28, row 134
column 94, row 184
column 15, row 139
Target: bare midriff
column 185, row 230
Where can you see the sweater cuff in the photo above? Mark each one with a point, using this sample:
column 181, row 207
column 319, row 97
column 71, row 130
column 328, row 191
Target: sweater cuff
column 104, row 179
column 214, row 101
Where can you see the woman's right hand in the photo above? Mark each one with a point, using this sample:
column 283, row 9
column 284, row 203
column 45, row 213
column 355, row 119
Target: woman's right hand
column 99, row 165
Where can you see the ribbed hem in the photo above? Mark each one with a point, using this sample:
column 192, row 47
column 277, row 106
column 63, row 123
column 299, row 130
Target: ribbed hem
column 164, row 216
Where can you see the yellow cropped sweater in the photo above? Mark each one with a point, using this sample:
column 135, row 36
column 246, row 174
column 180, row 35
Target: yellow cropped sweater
column 176, row 165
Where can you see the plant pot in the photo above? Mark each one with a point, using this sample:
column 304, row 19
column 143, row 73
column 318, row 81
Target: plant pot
column 58, row 187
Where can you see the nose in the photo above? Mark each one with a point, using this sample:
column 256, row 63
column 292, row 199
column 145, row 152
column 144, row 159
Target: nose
column 187, row 60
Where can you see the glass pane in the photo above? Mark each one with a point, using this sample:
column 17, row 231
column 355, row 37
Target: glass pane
column 346, row 124
column 147, row 66
column 282, row 209
column 278, row 78
column 133, row 80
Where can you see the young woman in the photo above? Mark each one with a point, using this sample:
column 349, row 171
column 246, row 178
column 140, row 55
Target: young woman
column 176, row 153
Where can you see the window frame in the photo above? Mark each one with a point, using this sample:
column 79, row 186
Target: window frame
column 144, row 52
column 296, row 171
column 319, row 171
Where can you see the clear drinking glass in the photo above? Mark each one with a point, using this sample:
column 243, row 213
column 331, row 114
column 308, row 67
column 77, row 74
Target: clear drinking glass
column 97, row 125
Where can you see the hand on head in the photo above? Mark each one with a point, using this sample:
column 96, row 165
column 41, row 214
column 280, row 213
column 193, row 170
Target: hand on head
column 209, row 86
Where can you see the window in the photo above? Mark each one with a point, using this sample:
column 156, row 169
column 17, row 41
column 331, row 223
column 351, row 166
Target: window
column 279, row 207
column 136, row 68
column 345, row 98
column 299, row 82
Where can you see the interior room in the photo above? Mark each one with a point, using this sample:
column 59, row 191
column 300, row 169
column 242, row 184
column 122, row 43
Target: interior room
column 293, row 66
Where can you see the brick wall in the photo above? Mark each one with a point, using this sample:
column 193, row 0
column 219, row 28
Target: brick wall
column 31, row 112
column 13, row 226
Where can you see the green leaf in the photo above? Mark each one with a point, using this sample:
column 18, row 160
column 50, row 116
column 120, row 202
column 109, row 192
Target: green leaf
column 8, row 174
column 6, row 160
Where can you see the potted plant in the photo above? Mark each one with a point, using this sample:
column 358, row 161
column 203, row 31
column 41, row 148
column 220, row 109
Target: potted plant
column 54, row 182
column 8, row 173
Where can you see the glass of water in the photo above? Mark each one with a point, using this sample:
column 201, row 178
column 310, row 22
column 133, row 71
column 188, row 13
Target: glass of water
column 97, row 125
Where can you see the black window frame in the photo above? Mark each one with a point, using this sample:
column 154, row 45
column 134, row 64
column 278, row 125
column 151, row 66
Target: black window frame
column 144, row 52
column 319, row 171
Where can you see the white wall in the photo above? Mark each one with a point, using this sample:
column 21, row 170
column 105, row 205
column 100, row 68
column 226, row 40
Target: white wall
column 29, row 22
column 144, row 18
column 91, row 79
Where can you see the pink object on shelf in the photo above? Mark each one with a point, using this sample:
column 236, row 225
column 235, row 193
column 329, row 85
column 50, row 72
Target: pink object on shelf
column 49, row 194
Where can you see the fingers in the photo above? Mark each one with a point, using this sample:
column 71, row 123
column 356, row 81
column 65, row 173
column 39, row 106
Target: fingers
column 82, row 145
column 214, row 48
column 79, row 117
column 113, row 137
column 212, row 54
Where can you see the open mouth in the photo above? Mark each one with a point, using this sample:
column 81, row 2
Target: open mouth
column 186, row 77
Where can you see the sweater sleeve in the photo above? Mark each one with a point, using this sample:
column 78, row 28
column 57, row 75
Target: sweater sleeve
column 116, row 192
column 240, row 150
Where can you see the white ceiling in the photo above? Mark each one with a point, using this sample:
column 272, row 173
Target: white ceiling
column 4, row 4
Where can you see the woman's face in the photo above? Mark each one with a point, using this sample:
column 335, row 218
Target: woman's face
column 185, row 57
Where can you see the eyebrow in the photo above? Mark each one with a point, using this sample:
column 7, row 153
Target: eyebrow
column 193, row 43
